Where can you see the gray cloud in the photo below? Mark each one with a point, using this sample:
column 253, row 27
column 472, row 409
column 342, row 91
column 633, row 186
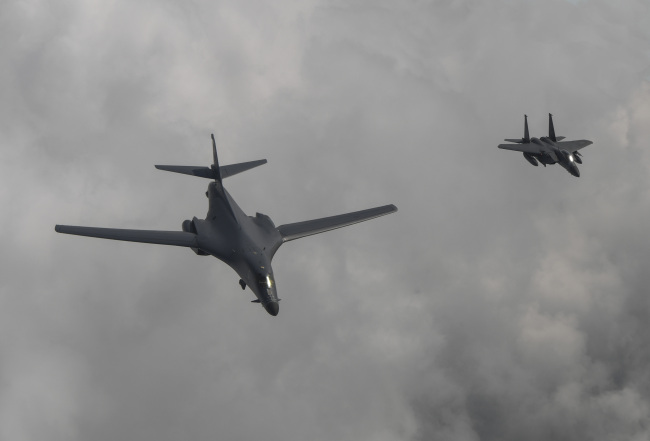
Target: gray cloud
column 501, row 301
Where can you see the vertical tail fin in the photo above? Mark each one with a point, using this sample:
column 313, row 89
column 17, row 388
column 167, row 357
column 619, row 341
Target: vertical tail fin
column 551, row 129
column 215, row 165
column 526, row 138
column 526, row 134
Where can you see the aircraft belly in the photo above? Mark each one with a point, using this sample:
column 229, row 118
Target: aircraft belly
column 265, row 240
column 216, row 238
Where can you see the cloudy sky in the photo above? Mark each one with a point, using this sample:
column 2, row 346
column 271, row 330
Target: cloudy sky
column 502, row 301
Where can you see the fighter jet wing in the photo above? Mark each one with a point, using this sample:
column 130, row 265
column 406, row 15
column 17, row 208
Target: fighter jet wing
column 573, row 146
column 307, row 228
column 177, row 238
column 526, row 148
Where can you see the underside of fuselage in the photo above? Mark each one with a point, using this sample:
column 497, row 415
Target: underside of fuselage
column 546, row 159
column 246, row 244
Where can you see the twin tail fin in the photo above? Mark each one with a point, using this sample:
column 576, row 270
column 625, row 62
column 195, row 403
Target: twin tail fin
column 526, row 138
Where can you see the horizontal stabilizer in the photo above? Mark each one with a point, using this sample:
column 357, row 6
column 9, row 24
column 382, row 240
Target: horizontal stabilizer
column 209, row 173
column 176, row 238
column 233, row 169
column 310, row 227
column 202, row 172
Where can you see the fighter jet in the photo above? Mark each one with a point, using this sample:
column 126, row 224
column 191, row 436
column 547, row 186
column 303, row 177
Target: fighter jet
column 549, row 150
column 246, row 243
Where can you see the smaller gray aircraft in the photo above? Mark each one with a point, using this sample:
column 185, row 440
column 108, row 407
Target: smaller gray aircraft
column 246, row 243
column 549, row 149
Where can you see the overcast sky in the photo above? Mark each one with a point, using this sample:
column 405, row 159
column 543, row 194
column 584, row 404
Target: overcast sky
column 502, row 301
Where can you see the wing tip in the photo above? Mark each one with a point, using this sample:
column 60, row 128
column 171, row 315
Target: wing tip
column 65, row 229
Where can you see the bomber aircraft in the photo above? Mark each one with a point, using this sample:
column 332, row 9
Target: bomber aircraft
column 246, row 243
column 549, row 150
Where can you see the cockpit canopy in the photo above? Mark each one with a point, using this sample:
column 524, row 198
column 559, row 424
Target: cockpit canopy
column 569, row 157
column 265, row 280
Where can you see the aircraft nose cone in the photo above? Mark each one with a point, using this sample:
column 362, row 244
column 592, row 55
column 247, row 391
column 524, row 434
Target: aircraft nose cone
column 575, row 172
column 272, row 308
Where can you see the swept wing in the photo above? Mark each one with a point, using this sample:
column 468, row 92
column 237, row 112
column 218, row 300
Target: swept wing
column 526, row 148
column 315, row 226
column 573, row 146
column 177, row 238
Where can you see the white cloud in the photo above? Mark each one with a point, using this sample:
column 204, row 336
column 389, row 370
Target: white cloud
column 501, row 302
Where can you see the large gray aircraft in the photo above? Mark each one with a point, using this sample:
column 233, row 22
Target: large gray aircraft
column 549, row 150
column 246, row 243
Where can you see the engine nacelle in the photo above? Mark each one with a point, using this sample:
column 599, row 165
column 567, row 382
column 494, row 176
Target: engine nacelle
column 577, row 158
column 530, row 158
column 189, row 227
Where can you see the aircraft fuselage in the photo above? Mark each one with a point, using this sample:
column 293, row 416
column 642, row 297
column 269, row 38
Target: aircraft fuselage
column 552, row 154
column 246, row 244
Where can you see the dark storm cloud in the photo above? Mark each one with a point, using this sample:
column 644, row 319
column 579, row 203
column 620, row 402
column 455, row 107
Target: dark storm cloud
column 500, row 302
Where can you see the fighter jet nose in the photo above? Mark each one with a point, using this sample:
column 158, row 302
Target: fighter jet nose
column 575, row 172
column 272, row 308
